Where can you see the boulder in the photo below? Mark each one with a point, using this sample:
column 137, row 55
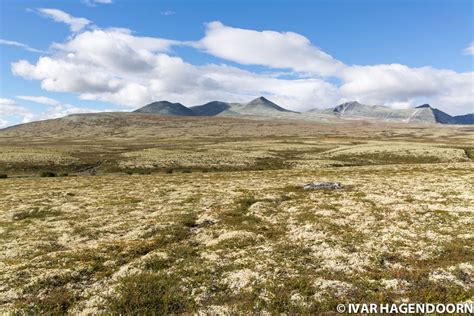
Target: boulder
column 322, row 185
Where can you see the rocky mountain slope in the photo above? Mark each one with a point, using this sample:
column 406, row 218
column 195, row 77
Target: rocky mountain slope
column 259, row 107
column 421, row 114
column 356, row 110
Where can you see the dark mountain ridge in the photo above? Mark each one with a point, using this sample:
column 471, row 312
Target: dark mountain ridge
column 166, row 108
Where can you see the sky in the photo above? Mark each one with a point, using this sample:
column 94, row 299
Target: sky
column 60, row 57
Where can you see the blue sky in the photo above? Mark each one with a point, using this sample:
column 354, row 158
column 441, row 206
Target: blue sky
column 302, row 54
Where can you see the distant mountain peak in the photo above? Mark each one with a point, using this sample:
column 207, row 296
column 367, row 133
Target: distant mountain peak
column 438, row 116
column 166, row 108
column 341, row 108
column 352, row 103
column 260, row 100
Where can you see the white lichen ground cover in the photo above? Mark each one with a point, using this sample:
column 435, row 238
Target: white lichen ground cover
column 155, row 157
column 237, row 242
column 221, row 224
column 437, row 152
column 22, row 155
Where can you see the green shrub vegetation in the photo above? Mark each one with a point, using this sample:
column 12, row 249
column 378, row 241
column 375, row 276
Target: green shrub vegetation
column 48, row 174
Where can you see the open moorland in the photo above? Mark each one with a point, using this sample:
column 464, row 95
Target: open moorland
column 193, row 214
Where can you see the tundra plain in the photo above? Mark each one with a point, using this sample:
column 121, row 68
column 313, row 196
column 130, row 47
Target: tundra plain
column 207, row 215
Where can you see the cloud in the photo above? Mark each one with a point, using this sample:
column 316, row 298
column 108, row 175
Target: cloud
column 267, row 48
column 116, row 66
column 3, row 123
column 20, row 45
column 57, row 111
column 66, row 76
column 394, row 84
column 469, row 50
column 167, row 12
column 115, row 49
column 62, row 110
column 9, row 108
column 75, row 24
column 94, row 2
column 39, row 99
column 390, row 84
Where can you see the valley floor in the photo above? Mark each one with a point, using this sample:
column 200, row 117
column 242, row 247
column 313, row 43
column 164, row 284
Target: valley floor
column 216, row 240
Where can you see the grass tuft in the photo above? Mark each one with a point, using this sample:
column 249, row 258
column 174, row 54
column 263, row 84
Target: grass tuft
column 150, row 294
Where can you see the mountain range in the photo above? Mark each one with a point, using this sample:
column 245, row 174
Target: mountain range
column 262, row 108
column 259, row 107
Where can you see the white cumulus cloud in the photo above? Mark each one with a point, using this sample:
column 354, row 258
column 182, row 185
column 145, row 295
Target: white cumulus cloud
column 140, row 73
column 267, row 48
column 116, row 49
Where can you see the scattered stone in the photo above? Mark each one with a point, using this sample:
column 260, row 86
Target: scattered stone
column 205, row 223
column 322, row 185
column 464, row 276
